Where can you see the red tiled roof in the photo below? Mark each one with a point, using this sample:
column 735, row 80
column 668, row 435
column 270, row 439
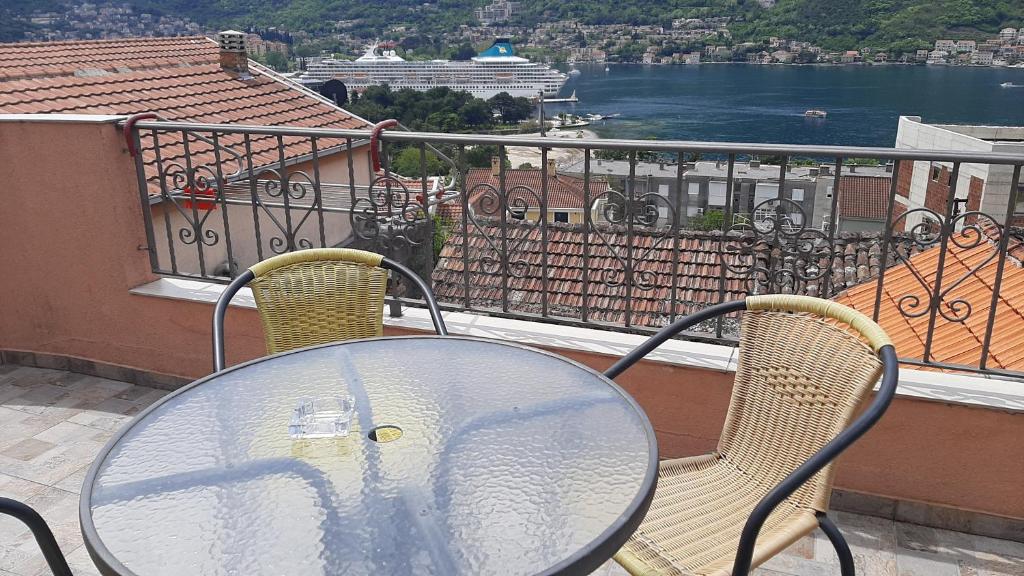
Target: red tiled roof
column 178, row 78
column 953, row 342
column 864, row 197
column 698, row 271
column 564, row 192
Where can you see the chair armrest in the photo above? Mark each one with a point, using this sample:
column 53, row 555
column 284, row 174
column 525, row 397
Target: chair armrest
column 842, row 441
column 671, row 330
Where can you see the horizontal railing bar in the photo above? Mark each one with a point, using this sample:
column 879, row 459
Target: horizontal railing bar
column 609, row 144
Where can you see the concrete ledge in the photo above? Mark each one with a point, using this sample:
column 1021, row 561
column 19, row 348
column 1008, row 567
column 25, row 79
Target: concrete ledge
column 963, row 389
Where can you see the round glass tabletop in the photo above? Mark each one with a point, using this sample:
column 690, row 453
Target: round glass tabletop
column 495, row 459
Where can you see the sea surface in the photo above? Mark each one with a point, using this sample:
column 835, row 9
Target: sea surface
column 751, row 103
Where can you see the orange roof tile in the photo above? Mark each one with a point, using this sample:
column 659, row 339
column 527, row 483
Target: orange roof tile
column 968, row 274
column 178, row 78
column 563, row 192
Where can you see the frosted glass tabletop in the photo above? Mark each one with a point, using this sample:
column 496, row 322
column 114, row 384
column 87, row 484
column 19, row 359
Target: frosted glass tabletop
column 510, row 461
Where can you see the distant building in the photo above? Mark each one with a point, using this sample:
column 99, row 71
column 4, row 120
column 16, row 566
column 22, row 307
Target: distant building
column 1008, row 34
column 921, row 56
column 565, row 197
column 937, row 56
column 497, row 11
column 981, row 187
column 704, row 188
column 966, row 45
column 945, row 45
column 981, row 58
column 881, row 57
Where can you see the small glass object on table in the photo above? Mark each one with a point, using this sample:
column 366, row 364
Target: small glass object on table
column 326, row 417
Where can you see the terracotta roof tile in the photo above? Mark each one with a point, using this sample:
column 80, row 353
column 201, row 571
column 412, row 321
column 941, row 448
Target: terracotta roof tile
column 957, row 340
column 178, row 78
column 698, row 271
column 563, row 192
column 864, row 197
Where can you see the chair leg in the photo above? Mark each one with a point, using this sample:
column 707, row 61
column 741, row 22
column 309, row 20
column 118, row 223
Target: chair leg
column 43, row 535
column 839, row 543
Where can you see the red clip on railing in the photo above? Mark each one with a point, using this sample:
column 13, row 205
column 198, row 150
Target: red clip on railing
column 130, row 123
column 375, row 141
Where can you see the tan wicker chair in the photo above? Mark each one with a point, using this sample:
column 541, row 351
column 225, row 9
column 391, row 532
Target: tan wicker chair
column 317, row 296
column 806, row 367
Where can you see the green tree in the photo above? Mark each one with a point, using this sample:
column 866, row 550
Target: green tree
column 476, row 112
column 277, row 61
column 407, row 163
column 464, row 52
column 709, row 220
column 512, row 109
column 480, row 156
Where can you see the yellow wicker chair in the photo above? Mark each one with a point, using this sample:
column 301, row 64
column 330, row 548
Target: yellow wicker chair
column 806, row 367
column 317, row 296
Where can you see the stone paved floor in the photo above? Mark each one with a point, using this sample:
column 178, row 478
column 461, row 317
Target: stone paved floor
column 53, row 423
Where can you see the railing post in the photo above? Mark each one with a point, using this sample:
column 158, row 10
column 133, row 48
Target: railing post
column 147, row 209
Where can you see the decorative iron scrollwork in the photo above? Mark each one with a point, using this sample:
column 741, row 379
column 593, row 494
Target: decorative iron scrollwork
column 964, row 231
column 389, row 216
column 777, row 252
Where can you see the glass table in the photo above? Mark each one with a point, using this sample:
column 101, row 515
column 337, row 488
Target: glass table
column 501, row 459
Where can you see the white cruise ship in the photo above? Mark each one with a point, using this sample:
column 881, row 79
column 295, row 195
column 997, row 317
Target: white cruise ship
column 494, row 70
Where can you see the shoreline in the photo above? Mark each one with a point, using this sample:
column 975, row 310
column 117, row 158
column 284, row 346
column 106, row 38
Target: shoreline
column 518, row 155
column 828, row 64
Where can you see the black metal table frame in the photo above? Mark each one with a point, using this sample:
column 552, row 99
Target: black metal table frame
column 583, row 562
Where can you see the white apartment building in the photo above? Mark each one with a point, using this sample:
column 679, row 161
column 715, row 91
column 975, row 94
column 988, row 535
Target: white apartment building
column 966, row 45
column 986, row 186
column 981, row 58
column 945, row 45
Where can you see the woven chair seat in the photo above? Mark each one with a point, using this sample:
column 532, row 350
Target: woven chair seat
column 695, row 520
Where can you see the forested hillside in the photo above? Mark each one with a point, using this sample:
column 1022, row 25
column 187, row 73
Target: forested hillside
column 833, row 24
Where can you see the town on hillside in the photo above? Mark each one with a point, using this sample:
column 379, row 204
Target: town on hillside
column 678, row 41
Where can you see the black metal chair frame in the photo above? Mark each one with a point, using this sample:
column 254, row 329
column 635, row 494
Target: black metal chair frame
column 247, row 276
column 789, row 485
column 43, row 535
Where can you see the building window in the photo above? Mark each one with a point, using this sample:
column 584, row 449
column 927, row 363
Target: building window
column 663, row 190
column 716, row 194
column 797, row 195
column 936, row 172
column 693, row 188
column 562, row 217
column 765, row 191
column 517, row 213
column 692, row 211
column 828, row 191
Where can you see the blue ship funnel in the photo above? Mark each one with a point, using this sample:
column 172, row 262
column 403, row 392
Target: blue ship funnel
column 502, row 48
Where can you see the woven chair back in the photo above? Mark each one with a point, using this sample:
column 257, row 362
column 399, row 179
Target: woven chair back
column 799, row 382
column 315, row 302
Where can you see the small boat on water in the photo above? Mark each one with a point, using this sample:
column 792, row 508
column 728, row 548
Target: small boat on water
column 815, row 114
column 606, row 68
column 1011, row 85
column 574, row 72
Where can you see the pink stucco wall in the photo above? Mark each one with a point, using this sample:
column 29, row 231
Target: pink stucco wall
column 72, row 246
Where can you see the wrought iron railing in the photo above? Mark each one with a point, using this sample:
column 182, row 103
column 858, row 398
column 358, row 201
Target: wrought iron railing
column 627, row 247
